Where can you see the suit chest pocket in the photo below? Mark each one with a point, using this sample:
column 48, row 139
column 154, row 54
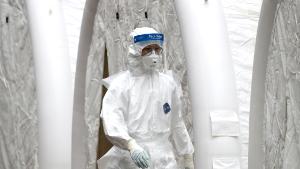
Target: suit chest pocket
column 163, row 115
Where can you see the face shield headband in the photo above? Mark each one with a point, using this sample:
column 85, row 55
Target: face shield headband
column 149, row 37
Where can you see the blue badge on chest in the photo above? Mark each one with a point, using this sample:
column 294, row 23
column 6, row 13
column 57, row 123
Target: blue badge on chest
column 167, row 108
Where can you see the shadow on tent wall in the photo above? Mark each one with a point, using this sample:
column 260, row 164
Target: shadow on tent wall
column 103, row 144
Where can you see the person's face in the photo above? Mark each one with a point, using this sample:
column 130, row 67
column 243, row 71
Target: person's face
column 148, row 50
column 151, row 56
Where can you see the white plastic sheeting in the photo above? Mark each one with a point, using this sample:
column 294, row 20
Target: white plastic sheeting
column 242, row 20
column 18, row 103
column 282, row 104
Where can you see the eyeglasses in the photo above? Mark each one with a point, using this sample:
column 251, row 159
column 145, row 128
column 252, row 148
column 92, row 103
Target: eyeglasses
column 150, row 48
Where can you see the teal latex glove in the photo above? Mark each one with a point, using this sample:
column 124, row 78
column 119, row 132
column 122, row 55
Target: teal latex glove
column 140, row 158
column 138, row 155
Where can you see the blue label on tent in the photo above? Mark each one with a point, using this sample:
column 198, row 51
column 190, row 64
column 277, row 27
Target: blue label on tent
column 148, row 37
column 167, row 108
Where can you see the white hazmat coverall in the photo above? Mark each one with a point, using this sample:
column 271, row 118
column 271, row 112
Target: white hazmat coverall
column 144, row 106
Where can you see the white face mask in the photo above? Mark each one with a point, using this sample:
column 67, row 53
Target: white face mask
column 151, row 62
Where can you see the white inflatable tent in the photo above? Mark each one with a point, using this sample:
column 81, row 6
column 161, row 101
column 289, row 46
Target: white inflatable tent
column 275, row 60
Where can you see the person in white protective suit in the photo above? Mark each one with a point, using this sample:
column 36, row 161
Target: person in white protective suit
column 141, row 112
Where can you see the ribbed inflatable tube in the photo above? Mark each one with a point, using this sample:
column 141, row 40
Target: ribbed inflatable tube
column 79, row 133
column 53, row 83
column 265, row 25
column 211, row 77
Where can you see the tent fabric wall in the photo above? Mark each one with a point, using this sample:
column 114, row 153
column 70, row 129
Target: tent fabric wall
column 18, row 103
column 112, row 33
column 282, row 95
column 242, row 19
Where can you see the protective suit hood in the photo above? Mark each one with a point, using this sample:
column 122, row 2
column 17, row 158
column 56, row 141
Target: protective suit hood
column 140, row 38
